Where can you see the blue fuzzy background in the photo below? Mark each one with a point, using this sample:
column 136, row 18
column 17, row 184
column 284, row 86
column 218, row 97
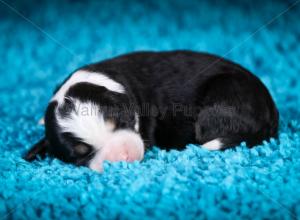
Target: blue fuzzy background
column 42, row 42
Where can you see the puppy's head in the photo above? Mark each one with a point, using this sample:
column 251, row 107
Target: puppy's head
column 91, row 124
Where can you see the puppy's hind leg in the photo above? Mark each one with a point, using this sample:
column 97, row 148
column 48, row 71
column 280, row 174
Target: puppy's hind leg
column 231, row 114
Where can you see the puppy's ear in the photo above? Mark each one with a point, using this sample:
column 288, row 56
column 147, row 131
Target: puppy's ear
column 40, row 148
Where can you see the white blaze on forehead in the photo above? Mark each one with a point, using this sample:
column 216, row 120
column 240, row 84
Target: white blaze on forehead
column 86, row 122
column 80, row 76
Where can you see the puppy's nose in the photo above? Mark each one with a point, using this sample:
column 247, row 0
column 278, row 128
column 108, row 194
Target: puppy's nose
column 122, row 145
column 130, row 143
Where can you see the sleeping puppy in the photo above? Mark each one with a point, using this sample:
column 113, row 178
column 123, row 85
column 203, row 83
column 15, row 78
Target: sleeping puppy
column 115, row 109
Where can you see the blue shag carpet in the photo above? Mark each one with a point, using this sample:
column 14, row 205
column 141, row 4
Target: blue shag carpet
column 41, row 42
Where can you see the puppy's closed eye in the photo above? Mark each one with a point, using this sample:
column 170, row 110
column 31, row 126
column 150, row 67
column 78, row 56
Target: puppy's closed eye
column 81, row 149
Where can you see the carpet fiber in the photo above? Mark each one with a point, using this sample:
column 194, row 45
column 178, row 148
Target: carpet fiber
column 42, row 42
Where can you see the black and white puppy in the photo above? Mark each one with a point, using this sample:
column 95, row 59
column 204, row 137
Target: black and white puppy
column 113, row 110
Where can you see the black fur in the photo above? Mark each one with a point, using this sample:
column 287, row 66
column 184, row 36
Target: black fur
column 194, row 98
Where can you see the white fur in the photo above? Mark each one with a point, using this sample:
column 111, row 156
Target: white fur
column 87, row 123
column 137, row 122
column 215, row 144
column 96, row 162
column 98, row 79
